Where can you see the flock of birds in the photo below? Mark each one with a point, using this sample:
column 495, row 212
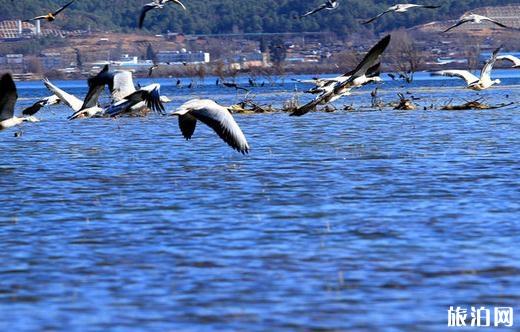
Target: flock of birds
column 126, row 98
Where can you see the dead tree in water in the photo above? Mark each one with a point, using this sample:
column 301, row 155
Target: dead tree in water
column 405, row 56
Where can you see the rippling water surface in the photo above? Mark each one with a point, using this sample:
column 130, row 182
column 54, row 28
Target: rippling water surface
column 367, row 220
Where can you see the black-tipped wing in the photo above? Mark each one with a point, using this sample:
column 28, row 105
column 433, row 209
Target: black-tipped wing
column 457, row 25
column 34, row 108
column 8, row 97
column 146, row 8
column 314, row 11
column 498, row 23
column 96, row 86
column 222, row 122
column 152, row 99
column 217, row 118
column 368, row 66
column 376, row 17
column 371, row 59
column 62, row 8
column 187, row 124
column 488, row 67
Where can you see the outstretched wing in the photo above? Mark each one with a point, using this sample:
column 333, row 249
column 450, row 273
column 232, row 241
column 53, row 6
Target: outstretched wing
column 488, row 67
column 146, row 8
column 314, row 11
column 369, row 62
column 217, row 118
column 123, row 85
column 464, row 74
column 427, row 7
column 511, row 58
column 461, row 22
column 96, row 85
column 378, row 16
column 68, row 99
column 495, row 22
column 151, row 95
column 179, row 3
column 34, row 108
column 62, row 8
column 8, row 97
column 187, row 124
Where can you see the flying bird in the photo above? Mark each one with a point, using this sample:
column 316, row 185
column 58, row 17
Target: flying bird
column 329, row 5
column 50, row 16
column 37, row 106
column 235, row 86
column 511, row 58
column 8, row 97
column 475, row 19
column 400, row 8
column 216, row 117
column 156, row 4
column 151, row 69
column 366, row 72
column 473, row 82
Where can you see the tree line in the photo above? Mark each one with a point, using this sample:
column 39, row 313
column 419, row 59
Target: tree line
column 236, row 16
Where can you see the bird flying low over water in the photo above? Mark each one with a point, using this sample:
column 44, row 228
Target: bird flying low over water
column 156, row 4
column 474, row 18
column 472, row 81
column 511, row 58
column 400, row 8
column 50, row 16
column 8, row 97
column 37, row 106
column 366, row 72
column 329, row 5
column 215, row 116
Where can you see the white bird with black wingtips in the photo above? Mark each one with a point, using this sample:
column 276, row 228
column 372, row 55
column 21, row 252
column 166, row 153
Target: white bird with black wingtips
column 473, row 82
column 329, row 5
column 400, row 8
column 215, row 116
column 478, row 19
column 8, row 98
column 156, row 4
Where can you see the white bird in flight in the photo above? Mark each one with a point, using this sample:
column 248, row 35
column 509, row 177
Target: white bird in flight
column 156, row 4
column 366, row 72
column 8, row 97
column 329, row 5
column 476, row 19
column 473, row 82
column 215, row 116
column 400, row 8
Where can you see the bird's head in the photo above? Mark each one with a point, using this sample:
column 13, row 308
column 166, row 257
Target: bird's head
column 497, row 81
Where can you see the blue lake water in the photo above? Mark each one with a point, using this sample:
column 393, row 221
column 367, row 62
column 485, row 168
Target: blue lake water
column 372, row 220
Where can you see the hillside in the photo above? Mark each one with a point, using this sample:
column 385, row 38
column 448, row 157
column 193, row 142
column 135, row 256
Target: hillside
column 226, row 16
